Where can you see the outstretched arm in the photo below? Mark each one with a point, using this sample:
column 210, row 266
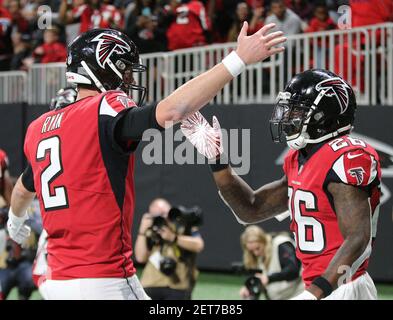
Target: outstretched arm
column 248, row 205
column 197, row 92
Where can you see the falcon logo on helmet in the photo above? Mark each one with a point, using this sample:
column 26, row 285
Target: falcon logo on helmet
column 338, row 88
column 107, row 44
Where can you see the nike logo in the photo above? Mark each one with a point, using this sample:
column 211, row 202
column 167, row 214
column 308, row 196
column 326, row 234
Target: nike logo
column 351, row 156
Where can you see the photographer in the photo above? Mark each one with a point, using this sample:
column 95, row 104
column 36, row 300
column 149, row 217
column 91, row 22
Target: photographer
column 275, row 256
column 168, row 242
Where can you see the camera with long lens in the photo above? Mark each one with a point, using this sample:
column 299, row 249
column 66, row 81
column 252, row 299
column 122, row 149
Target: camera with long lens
column 253, row 284
column 183, row 219
column 186, row 217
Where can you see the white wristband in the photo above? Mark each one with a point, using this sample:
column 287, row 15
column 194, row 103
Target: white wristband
column 234, row 64
column 16, row 219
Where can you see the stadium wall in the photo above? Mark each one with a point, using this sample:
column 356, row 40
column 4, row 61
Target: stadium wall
column 193, row 185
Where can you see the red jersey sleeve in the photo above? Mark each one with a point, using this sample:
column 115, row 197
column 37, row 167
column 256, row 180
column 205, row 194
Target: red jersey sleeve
column 357, row 168
column 114, row 102
column 112, row 107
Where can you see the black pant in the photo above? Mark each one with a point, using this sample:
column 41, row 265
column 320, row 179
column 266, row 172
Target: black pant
column 166, row 293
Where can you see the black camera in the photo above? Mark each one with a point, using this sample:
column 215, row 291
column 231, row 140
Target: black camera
column 152, row 235
column 253, row 284
column 187, row 217
column 168, row 266
column 180, row 216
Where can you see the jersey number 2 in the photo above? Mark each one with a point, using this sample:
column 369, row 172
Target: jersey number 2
column 58, row 199
column 310, row 232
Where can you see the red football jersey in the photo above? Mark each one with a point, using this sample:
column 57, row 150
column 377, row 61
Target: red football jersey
column 97, row 18
column 188, row 29
column 313, row 219
column 84, row 183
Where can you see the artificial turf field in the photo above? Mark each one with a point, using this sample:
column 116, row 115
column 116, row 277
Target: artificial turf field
column 219, row 286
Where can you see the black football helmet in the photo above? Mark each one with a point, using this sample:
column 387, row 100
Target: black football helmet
column 63, row 98
column 105, row 59
column 315, row 106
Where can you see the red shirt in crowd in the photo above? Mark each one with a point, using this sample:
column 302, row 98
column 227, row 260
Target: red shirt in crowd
column 189, row 27
column 53, row 52
column 318, row 25
column 103, row 17
column 5, row 25
column 366, row 12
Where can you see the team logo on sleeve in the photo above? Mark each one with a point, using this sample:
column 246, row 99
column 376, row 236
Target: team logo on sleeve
column 107, row 44
column 125, row 101
column 338, row 88
column 357, row 173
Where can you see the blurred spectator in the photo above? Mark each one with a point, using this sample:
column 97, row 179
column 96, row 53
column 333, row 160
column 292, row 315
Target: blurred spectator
column 275, row 255
column 189, row 24
column 22, row 50
column 147, row 36
column 321, row 20
column 368, row 12
column 18, row 21
column 253, row 4
column 5, row 39
column 52, row 50
column 243, row 14
column 303, row 8
column 169, row 249
column 16, row 261
column 30, row 9
column 91, row 14
column 143, row 8
column 221, row 14
column 285, row 19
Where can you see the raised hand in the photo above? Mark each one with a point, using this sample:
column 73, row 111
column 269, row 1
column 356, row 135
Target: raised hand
column 260, row 45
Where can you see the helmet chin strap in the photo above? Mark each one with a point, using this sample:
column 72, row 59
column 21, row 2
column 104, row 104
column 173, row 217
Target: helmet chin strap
column 93, row 77
column 304, row 138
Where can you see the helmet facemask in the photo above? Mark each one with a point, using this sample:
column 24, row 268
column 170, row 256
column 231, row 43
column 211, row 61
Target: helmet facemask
column 289, row 119
column 299, row 123
column 128, row 84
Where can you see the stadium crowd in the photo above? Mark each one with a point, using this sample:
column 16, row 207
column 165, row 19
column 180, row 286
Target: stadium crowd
column 36, row 31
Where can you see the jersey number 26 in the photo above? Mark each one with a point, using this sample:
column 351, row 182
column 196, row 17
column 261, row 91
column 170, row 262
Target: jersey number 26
column 310, row 232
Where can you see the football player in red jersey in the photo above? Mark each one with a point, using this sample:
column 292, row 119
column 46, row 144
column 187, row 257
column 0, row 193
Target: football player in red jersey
column 331, row 184
column 189, row 26
column 81, row 160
